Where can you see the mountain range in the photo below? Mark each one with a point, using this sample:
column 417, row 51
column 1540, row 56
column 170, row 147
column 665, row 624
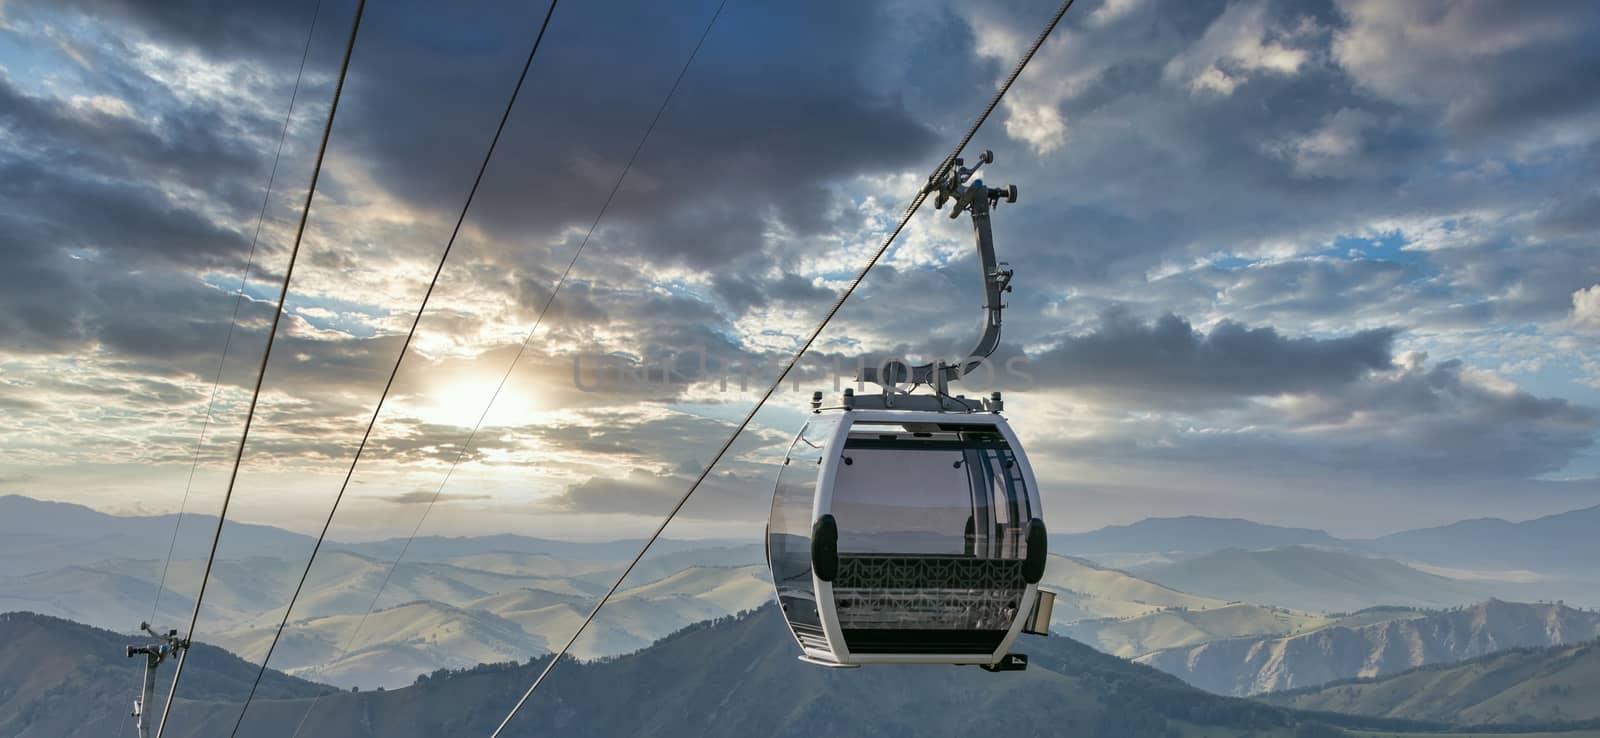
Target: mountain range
column 1189, row 534
column 1313, row 579
column 457, row 602
column 733, row 677
column 1560, row 545
column 396, row 644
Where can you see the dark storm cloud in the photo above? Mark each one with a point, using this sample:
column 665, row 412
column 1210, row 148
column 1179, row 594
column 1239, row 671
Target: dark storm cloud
column 772, row 111
column 1169, row 363
column 1153, row 174
column 741, row 291
column 723, row 496
column 772, row 108
column 100, row 247
column 1330, row 290
column 1525, row 283
column 428, row 496
column 1416, row 423
column 230, row 29
column 172, row 141
column 1486, row 68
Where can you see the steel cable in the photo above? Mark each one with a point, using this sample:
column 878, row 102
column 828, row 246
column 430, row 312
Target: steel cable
column 238, row 301
column 467, row 444
column 916, row 203
column 266, row 355
column 399, row 361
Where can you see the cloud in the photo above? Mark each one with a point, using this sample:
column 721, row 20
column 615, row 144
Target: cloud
column 1168, row 363
column 723, row 496
column 428, row 496
column 1332, row 148
column 1488, row 67
column 1375, row 179
column 1112, row 11
column 1239, row 43
column 1586, row 306
column 1413, row 429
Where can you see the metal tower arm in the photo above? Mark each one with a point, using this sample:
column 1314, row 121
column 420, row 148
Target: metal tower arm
column 978, row 200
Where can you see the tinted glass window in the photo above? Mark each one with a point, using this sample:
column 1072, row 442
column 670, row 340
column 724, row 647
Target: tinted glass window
column 789, row 528
column 931, row 493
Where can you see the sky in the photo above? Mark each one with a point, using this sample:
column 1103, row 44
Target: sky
column 1324, row 264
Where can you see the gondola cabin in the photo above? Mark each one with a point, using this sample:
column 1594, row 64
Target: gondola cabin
column 906, row 536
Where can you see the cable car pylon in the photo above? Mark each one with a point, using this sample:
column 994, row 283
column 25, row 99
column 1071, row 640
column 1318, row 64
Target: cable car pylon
column 906, row 528
column 158, row 650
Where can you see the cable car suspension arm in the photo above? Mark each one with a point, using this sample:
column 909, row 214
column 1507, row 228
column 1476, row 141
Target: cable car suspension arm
column 957, row 187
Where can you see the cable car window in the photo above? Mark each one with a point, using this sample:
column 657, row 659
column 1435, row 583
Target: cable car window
column 789, row 534
column 900, row 500
column 913, row 492
column 932, row 534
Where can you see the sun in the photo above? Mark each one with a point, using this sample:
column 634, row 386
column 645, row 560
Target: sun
column 461, row 402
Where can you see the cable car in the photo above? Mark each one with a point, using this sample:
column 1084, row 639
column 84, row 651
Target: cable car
column 906, row 528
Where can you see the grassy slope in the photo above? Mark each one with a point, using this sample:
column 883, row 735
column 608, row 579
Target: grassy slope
column 1091, row 591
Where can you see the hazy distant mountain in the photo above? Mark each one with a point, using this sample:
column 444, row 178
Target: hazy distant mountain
column 1554, row 543
column 1517, row 687
column 1404, row 641
column 252, row 592
column 398, row 643
column 36, row 535
column 481, row 604
column 69, row 560
column 1312, row 579
column 737, row 677
column 1189, row 534
column 1561, row 547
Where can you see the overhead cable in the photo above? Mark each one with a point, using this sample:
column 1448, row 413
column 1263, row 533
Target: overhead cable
column 562, row 280
column 916, row 203
column 266, row 355
column 238, row 301
column 395, row 370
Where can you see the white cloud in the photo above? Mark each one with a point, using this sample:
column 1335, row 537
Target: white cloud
column 1334, row 149
column 1238, row 43
column 1040, row 124
column 102, row 105
column 1066, row 66
column 1447, row 54
column 1112, row 11
column 1586, row 306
